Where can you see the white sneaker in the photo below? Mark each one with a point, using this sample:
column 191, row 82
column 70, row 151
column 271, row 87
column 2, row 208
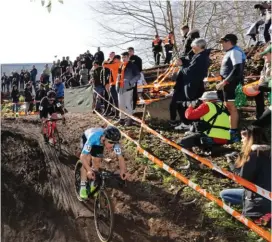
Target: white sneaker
column 182, row 126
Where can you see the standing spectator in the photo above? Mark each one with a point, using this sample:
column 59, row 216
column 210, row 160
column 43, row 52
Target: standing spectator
column 33, row 74
column 265, row 10
column 99, row 56
column 168, row 45
column 9, row 81
column 189, row 36
column 59, row 89
column 41, row 92
column 254, row 165
column 189, row 84
column 157, row 49
column 15, row 98
column 97, row 83
column 4, row 79
column 16, row 76
column 138, row 62
column 89, row 60
column 105, row 78
column 264, row 82
column 28, row 98
column 77, row 70
column 63, row 65
column 67, row 75
column 83, row 75
column 75, row 63
column 53, row 71
column 22, row 80
column 46, row 74
column 128, row 75
column 68, row 61
column 232, row 73
column 14, row 82
column 58, row 69
column 113, row 65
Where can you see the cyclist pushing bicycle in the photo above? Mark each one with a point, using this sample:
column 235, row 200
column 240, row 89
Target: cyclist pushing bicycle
column 50, row 105
column 93, row 142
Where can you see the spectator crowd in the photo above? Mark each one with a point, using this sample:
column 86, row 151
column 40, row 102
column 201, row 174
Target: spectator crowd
column 209, row 118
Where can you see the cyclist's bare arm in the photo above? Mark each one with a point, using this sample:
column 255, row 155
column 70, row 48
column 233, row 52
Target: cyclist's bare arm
column 123, row 168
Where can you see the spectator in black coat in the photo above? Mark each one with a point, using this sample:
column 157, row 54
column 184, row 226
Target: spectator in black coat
column 138, row 62
column 189, row 84
column 15, row 98
column 187, row 48
column 41, row 92
column 4, row 80
column 73, row 81
column 99, row 56
column 157, row 49
column 28, row 98
column 63, row 64
column 22, row 80
column 254, row 165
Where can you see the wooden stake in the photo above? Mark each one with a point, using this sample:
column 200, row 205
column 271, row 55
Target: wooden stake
column 141, row 129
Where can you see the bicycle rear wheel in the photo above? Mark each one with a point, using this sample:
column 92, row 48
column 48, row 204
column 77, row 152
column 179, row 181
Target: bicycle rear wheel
column 56, row 141
column 103, row 216
column 78, row 179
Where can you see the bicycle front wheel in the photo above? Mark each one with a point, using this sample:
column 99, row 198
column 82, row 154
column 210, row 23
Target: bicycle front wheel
column 56, row 141
column 103, row 216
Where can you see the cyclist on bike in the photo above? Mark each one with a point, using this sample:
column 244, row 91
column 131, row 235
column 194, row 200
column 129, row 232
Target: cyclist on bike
column 93, row 142
column 49, row 105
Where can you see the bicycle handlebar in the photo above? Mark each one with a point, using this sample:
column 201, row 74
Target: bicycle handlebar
column 53, row 119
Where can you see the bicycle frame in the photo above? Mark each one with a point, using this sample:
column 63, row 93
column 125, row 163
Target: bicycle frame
column 50, row 128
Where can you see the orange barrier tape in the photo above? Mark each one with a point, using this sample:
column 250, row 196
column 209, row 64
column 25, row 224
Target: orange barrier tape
column 204, row 161
column 21, row 113
column 213, row 79
column 148, row 101
column 263, row 233
column 167, row 84
column 163, row 74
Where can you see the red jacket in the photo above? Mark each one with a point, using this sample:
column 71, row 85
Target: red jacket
column 197, row 113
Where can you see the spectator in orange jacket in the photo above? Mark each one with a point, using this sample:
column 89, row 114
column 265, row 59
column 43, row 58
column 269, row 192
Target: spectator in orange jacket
column 113, row 66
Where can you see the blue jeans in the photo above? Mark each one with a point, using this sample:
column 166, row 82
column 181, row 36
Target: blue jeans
column 97, row 99
column 15, row 108
column 233, row 196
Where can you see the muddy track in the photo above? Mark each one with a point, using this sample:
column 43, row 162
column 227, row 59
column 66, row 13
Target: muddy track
column 39, row 204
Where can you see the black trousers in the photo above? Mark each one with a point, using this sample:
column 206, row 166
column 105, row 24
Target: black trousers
column 168, row 56
column 114, row 98
column 267, row 25
column 175, row 107
column 265, row 120
column 106, row 96
column 135, row 97
column 259, row 100
column 157, row 57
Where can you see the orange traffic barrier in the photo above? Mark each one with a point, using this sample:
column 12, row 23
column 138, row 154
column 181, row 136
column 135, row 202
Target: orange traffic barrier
column 263, row 233
column 204, row 161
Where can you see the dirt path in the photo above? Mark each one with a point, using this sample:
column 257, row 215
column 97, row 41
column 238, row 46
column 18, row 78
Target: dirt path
column 39, row 204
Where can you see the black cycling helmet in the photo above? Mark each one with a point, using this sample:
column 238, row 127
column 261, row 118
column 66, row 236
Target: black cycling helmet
column 51, row 94
column 113, row 134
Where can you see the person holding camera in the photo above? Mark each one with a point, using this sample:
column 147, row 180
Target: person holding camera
column 265, row 10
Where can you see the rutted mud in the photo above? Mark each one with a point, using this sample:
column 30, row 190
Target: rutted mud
column 39, row 204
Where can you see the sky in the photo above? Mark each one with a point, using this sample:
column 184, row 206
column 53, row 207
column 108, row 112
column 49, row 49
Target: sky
column 30, row 34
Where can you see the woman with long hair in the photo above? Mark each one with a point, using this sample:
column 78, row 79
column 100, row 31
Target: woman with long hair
column 254, row 165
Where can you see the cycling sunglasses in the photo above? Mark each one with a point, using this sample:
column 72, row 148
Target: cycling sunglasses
column 112, row 142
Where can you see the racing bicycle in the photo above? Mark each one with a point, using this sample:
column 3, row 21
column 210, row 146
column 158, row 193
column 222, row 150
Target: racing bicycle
column 103, row 209
column 52, row 134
